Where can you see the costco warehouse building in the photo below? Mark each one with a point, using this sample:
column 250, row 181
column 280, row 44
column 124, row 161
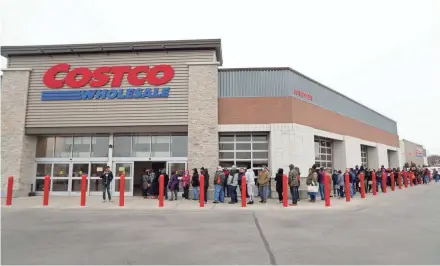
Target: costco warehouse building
column 69, row 110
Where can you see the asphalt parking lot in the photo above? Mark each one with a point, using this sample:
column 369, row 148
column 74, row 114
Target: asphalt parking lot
column 399, row 229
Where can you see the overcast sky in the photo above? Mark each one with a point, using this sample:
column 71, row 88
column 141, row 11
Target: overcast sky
column 384, row 54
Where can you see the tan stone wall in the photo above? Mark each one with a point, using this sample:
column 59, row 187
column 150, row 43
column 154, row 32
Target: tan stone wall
column 18, row 150
column 203, row 117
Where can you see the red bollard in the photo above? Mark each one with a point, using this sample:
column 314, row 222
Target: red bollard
column 399, row 179
column 122, row 191
column 46, row 190
column 285, row 193
column 393, row 185
column 405, row 178
column 411, row 179
column 83, row 190
column 9, row 191
column 374, row 183
column 347, row 187
column 161, row 190
column 202, row 191
column 362, row 188
column 327, row 189
column 243, row 191
column 384, row 182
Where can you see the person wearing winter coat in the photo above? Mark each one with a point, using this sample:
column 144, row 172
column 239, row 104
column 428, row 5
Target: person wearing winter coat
column 186, row 178
column 166, row 181
column 173, row 186
column 279, row 184
column 225, row 185
column 293, row 182
column 340, row 183
column 195, row 183
column 219, row 181
column 232, row 184
column 145, row 182
column 263, row 182
column 312, row 180
column 250, row 185
column 206, row 182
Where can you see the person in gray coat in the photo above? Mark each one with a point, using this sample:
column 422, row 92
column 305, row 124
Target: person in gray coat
column 232, row 184
column 340, row 183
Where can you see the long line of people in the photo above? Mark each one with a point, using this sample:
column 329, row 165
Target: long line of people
column 226, row 182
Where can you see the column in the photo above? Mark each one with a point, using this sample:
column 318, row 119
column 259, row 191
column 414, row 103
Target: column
column 203, row 116
column 18, row 149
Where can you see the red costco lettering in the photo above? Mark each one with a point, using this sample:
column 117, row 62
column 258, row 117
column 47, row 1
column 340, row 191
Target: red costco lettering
column 101, row 76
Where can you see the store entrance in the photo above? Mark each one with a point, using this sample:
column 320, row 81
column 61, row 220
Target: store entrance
column 139, row 168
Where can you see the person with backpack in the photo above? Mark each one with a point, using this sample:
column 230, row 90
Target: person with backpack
column 219, row 190
column 195, row 183
column 293, row 184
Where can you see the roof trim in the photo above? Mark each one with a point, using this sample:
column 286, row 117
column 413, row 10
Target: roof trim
column 304, row 76
column 214, row 44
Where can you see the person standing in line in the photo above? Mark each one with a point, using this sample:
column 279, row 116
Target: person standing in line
column 293, row 184
column 340, row 183
column 379, row 180
column 225, row 185
column 145, row 182
column 250, row 184
column 321, row 174
column 185, row 184
column 279, row 184
column 166, row 180
column 173, row 186
column 436, row 175
column 219, row 190
column 206, row 182
column 335, row 182
column 312, row 181
column 195, row 182
column 232, row 184
column 107, row 178
column 263, row 182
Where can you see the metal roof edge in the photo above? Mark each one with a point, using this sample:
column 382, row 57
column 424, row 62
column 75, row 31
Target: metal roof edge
column 115, row 46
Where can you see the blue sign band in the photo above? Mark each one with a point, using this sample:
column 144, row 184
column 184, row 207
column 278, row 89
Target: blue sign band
column 110, row 94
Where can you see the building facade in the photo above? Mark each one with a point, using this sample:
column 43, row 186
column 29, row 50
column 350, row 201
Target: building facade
column 69, row 110
column 413, row 152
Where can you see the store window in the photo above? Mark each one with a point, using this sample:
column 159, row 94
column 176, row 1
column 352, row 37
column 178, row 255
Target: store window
column 244, row 150
column 122, row 146
column 323, row 152
column 100, row 146
column 81, row 147
column 160, row 146
column 364, row 156
column 141, row 146
column 45, row 147
column 179, row 146
column 63, row 147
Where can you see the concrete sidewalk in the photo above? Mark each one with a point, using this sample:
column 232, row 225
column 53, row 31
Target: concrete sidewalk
column 95, row 202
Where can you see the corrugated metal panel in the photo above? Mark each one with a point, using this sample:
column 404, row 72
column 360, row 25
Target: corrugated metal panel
column 254, row 83
column 281, row 82
column 155, row 111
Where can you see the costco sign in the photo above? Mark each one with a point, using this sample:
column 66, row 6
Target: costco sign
column 78, row 78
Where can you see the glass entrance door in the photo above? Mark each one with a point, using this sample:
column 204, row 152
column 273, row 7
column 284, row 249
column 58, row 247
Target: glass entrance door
column 125, row 168
column 96, row 170
column 78, row 169
column 172, row 167
column 180, row 167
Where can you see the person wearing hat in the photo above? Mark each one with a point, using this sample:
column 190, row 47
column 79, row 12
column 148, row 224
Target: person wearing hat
column 219, row 182
column 250, row 183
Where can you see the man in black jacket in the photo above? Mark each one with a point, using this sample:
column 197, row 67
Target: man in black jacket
column 205, row 174
column 107, row 178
